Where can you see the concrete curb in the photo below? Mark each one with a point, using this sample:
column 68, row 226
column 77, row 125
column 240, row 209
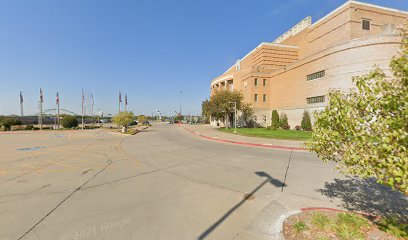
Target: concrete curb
column 340, row 210
column 282, row 218
column 247, row 143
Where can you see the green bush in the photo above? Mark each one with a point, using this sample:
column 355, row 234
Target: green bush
column 69, row 121
column 8, row 122
column 283, row 121
column 275, row 120
column 306, row 123
column 29, row 127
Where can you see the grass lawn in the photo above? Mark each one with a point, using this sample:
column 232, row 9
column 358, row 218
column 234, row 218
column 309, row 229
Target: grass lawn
column 321, row 224
column 269, row 133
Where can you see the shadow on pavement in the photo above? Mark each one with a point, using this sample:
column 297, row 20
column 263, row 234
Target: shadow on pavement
column 248, row 196
column 368, row 196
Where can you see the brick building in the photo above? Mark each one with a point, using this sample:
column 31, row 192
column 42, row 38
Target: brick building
column 295, row 72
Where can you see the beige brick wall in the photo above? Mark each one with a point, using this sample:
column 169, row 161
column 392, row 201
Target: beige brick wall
column 336, row 44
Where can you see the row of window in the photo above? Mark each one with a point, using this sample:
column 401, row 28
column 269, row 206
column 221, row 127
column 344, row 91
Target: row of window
column 316, row 75
column 310, row 100
column 263, row 98
column 263, row 82
column 317, row 99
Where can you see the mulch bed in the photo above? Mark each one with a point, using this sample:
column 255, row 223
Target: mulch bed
column 312, row 231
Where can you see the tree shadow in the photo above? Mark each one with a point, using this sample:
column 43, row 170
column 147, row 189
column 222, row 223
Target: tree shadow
column 247, row 197
column 368, row 196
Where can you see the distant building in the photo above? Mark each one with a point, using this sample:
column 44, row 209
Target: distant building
column 295, row 72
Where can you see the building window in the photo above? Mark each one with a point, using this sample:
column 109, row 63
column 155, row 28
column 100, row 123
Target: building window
column 256, row 82
column 264, row 118
column 264, row 82
column 264, row 98
column 365, row 24
column 316, row 75
column 317, row 99
column 256, row 97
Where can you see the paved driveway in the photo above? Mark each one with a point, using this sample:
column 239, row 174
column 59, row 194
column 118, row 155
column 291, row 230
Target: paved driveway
column 164, row 183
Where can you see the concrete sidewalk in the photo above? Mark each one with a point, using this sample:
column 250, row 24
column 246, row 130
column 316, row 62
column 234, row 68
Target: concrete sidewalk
column 210, row 132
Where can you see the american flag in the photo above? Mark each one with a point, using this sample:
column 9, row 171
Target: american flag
column 41, row 96
column 21, row 97
column 57, row 99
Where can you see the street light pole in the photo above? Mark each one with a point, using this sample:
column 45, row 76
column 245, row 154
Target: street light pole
column 235, row 116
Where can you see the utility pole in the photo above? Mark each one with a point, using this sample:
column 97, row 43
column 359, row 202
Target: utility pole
column 57, row 101
column 83, row 101
column 21, row 106
column 40, row 120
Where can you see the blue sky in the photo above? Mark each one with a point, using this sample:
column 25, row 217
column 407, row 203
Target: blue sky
column 149, row 49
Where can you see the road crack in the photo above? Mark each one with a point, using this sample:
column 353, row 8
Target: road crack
column 109, row 162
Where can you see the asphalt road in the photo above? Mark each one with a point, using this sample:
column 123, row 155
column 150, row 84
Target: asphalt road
column 163, row 183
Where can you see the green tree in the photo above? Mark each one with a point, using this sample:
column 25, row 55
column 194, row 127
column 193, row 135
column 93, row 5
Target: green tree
column 206, row 109
column 247, row 111
column 366, row 130
column 306, row 123
column 7, row 122
column 275, row 120
column 283, row 121
column 141, row 119
column 69, row 121
column 123, row 119
column 220, row 105
column 178, row 118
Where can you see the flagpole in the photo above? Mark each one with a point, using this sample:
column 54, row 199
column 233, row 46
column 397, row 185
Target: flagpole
column 125, row 102
column 92, row 110
column 58, row 110
column 120, row 99
column 41, row 112
column 83, row 99
column 40, row 115
column 21, row 106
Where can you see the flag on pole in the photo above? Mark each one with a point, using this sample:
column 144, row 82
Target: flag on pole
column 126, row 102
column 120, row 97
column 57, row 99
column 41, row 96
column 83, row 97
column 21, row 97
column 93, row 100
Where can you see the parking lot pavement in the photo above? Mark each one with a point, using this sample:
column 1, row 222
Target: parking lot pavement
column 163, row 183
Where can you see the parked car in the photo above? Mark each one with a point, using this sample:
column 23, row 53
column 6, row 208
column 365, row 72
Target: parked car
column 146, row 123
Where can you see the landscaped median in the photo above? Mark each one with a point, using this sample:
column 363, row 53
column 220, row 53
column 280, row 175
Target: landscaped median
column 269, row 133
column 325, row 223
